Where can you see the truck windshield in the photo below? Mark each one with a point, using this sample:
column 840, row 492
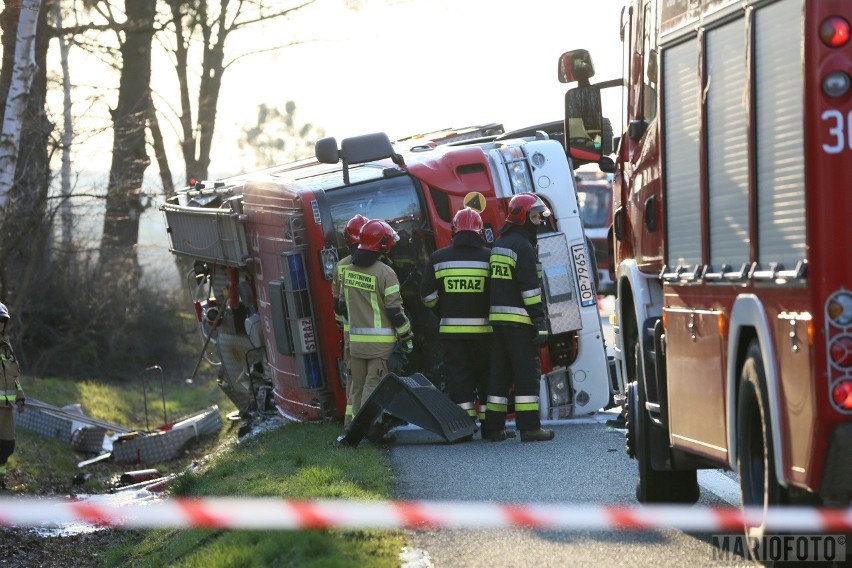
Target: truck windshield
column 397, row 201
column 595, row 203
column 394, row 200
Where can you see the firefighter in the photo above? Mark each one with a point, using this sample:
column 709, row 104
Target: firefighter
column 351, row 234
column 373, row 305
column 519, row 322
column 455, row 286
column 11, row 395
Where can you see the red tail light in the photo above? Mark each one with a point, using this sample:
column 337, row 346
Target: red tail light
column 842, row 395
column 834, row 31
column 841, row 351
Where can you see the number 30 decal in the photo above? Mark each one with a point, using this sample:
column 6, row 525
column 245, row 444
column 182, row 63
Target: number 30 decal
column 837, row 131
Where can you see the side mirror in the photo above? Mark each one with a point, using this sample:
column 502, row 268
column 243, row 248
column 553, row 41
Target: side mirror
column 577, row 66
column 584, row 124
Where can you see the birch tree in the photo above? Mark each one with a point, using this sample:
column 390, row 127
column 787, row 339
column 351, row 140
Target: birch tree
column 18, row 97
column 24, row 142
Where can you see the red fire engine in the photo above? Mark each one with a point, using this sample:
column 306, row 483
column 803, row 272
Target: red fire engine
column 732, row 218
column 265, row 245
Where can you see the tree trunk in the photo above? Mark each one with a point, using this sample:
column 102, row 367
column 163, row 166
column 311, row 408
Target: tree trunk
column 160, row 153
column 124, row 202
column 18, row 95
column 66, row 136
column 24, row 222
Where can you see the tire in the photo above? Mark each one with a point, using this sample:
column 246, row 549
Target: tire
column 654, row 486
column 755, row 455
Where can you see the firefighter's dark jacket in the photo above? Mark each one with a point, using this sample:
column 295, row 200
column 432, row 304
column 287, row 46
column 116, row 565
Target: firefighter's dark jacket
column 515, row 287
column 455, row 286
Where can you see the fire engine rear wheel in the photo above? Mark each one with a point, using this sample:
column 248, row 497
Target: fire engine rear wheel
column 653, row 486
column 755, row 454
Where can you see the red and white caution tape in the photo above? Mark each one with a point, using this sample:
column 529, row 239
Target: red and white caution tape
column 270, row 513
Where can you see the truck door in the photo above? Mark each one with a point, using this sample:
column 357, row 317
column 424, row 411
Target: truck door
column 643, row 201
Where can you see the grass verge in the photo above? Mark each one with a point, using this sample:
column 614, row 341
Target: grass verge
column 295, row 461
column 43, row 465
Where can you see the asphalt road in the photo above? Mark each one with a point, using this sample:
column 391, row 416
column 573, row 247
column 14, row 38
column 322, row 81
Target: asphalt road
column 586, row 463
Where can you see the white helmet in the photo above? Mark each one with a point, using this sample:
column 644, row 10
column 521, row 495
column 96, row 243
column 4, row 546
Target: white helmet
column 4, row 313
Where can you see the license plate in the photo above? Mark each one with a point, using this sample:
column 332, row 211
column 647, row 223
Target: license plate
column 585, row 285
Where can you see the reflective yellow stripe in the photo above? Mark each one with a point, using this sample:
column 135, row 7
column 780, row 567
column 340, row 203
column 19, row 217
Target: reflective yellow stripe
column 465, row 329
column 394, row 289
column 531, row 297
column 356, row 338
column 507, row 254
column 511, row 318
column 377, row 314
column 431, row 300
column 404, row 328
column 532, row 300
column 523, row 403
column 461, row 265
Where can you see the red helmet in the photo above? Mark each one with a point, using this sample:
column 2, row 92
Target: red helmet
column 522, row 205
column 352, row 230
column 377, row 236
column 467, row 219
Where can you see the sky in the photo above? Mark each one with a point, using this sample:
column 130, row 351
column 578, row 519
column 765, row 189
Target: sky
column 401, row 67
column 397, row 66
column 410, row 66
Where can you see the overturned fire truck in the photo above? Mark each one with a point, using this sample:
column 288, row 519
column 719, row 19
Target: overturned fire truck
column 264, row 245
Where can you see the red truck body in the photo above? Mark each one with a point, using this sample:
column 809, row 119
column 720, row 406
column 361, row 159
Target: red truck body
column 731, row 218
column 265, row 245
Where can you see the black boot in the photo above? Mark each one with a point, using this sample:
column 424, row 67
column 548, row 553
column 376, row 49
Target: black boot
column 537, row 435
column 494, row 435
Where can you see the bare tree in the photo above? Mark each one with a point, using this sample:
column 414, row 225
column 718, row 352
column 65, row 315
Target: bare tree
column 67, row 134
column 125, row 199
column 24, row 223
column 276, row 138
column 18, row 95
column 212, row 22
